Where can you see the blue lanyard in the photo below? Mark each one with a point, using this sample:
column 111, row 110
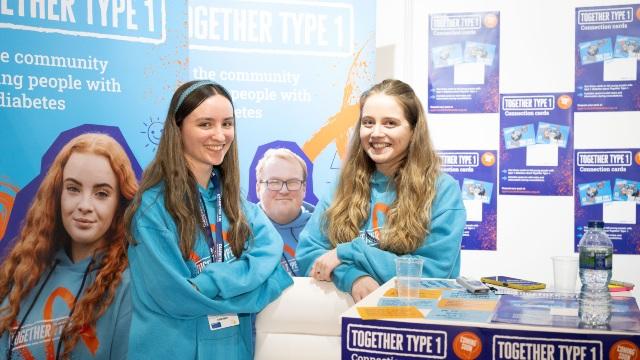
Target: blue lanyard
column 216, row 246
column 291, row 271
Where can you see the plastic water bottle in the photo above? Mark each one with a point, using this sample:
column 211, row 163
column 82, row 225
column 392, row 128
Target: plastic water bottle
column 596, row 255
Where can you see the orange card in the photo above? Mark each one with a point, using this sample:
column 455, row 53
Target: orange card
column 466, row 304
column 389, row 312
column 424, row 293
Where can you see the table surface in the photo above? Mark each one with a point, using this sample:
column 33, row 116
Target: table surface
column 373, row 298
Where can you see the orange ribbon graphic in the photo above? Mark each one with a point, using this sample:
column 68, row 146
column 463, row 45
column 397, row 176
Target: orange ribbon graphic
column 88, row 335
column 383, row 208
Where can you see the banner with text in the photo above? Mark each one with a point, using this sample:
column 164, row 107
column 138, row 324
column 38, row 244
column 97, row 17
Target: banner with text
column 379, row 339
column 464, row 59
column 608, row 189
column 106, row 63
column 607, row 54
column 536, row 144
column 476, row 172
column 315, row 59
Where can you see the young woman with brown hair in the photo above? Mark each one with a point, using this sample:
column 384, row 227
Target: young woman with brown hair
column 391, row 200
column 202, row 258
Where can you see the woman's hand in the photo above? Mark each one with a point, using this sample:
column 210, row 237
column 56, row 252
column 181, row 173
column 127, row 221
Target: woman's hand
column 362, row 287
column 324, row 265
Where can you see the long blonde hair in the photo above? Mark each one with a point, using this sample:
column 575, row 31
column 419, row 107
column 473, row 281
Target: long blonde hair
column 181, row 196
column 43, row 234
column 409, row 217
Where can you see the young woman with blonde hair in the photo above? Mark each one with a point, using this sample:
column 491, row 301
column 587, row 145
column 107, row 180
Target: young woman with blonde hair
column 202, row 258
column 65, row 285
column 391, row 200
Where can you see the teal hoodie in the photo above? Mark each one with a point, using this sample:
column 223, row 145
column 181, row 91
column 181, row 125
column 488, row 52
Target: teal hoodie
column 170, row 317
column 290, row 234
column 111, row 334
column 362, row 257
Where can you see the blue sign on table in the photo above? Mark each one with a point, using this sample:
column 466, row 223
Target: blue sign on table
column 379, row 339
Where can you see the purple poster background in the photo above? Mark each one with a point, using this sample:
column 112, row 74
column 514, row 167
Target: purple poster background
column 607, row 189
column 536, row 144
column 464, row 60
column 309, row 197
column 476, row 172
column 607, row 51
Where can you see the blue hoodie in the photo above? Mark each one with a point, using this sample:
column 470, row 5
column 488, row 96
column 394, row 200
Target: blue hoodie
column 110, row 337
column 290, row 234
column 170, row 316
column 362, row 257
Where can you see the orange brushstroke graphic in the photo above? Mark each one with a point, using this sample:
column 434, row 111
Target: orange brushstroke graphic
column 336, row 129
column 6, row 204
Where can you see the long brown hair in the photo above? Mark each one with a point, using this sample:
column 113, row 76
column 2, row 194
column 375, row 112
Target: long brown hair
column 181, row 197
column 43, row 234
column 409, row 216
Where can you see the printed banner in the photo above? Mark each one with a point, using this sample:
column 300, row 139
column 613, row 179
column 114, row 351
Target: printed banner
column 536, row 144
column 607, row 54
column 608, row 189
column 476, row 172
column 315, row 59
column 379, row 339
column 67, row 64
column 464, row 57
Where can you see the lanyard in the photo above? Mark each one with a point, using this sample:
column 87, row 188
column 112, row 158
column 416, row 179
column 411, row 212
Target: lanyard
column 216, row 245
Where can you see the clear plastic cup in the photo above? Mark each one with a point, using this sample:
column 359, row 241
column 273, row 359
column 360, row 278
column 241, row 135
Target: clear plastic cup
column 565, row 273
column 408, row 276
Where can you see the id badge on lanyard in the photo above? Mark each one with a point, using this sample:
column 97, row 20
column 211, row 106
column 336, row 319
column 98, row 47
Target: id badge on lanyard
column 216, row 249
column 216, row 244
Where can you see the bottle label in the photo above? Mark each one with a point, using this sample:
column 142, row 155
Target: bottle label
column 596, row 260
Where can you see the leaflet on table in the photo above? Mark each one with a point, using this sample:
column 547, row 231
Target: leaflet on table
column 464, row 306
column 440, row 284
column 458, row 305
column 536, row 144
column 476, row 173
column 562, row 311
column 464, row 62
column 607, row 188
column 607, row 52
column 419, row 303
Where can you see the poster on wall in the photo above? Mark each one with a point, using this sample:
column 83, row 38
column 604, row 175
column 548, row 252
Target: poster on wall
column 464, row 59
column 295, row 71
column 536, row 144
column 607, row 53
column 476, row 173
column 608, row 189
column 68, row 64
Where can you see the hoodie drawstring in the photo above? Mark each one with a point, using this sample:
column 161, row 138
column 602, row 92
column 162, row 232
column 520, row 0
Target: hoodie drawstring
column 84, row 279
column 24, row 318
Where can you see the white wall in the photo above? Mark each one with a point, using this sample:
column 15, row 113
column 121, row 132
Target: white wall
column 536, row 55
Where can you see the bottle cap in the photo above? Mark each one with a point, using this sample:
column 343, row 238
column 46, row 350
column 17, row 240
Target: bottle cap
column 596, row 224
